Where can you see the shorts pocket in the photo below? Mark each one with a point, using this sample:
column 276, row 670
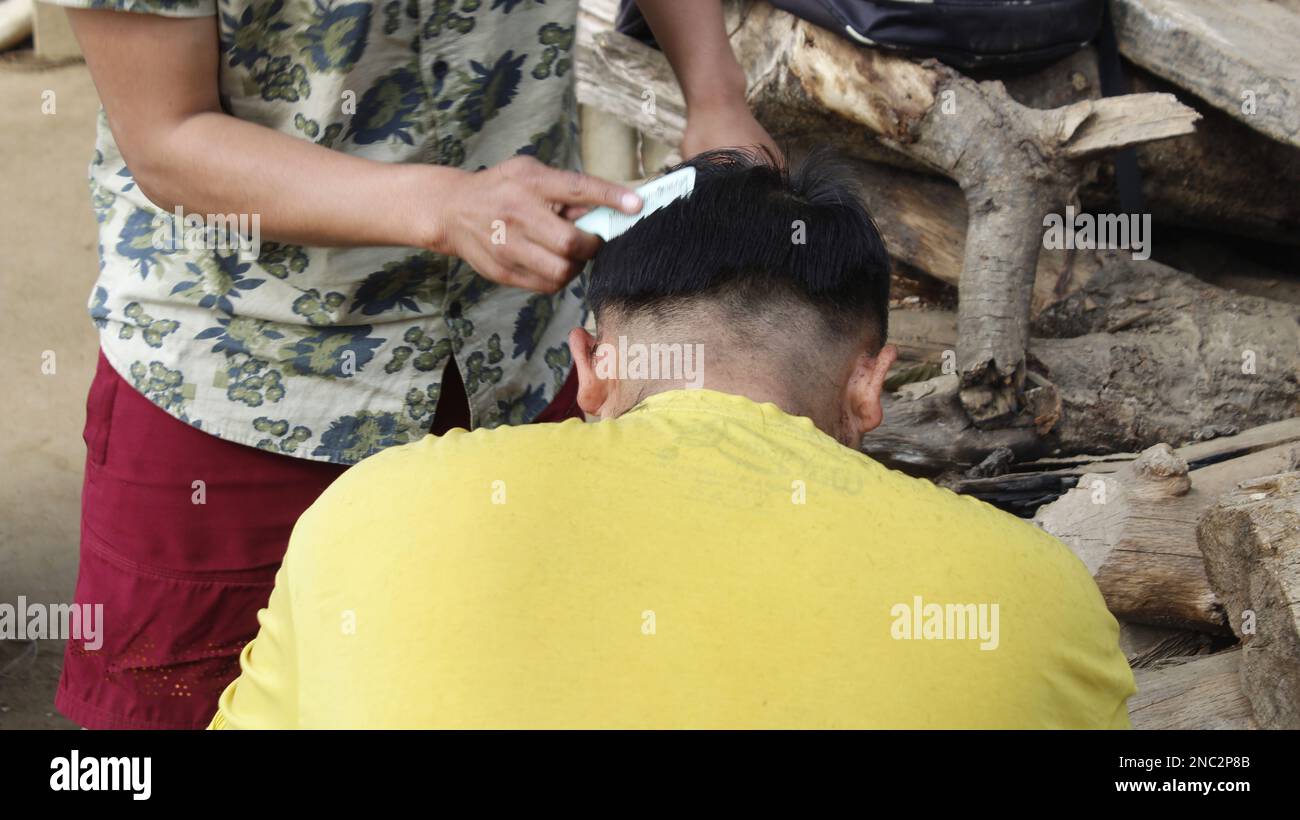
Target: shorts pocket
column 99, row 410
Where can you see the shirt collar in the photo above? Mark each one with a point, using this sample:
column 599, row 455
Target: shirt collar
column 740, row 408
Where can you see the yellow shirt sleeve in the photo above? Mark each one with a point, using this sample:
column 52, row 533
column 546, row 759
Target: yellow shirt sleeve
column 265, row 695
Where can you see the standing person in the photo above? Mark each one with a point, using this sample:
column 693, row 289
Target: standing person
column 400, row 177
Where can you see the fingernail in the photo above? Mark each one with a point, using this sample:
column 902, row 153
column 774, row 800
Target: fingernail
column 631, row 201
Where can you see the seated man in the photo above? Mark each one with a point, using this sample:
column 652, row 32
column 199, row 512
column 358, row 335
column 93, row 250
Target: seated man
column 714, row 552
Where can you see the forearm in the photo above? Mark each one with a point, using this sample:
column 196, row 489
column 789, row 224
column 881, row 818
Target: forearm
column 303, row 193
column 159, row 80
column 693, row 37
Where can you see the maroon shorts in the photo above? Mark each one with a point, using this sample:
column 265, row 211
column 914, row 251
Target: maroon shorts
column 180, row 582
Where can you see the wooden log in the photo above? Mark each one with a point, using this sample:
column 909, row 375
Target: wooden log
column 1026, row 486
column 609, row 146
column 1142, row 354
column 1135, row 531
column 639, row 89
column 1145, row 354
column 1203, row 451
column 926, row 431
column 1251, row 542
column 923, row 219
column 1146, row 646
column 1024, row 164
column 1201, row 693
column 1237, row 55
column 1226, row 177
column 922, row 335
column 1221, row 448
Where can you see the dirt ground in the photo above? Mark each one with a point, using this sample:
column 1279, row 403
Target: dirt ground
column 47, row 266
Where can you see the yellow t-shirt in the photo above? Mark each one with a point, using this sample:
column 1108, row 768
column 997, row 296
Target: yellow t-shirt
column 702, row 561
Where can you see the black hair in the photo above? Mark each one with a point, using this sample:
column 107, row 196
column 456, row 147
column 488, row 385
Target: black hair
column 735, row 240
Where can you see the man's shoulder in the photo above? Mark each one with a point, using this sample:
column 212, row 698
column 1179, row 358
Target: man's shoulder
column 964, row 528
column 436, row 467
column 439, row 489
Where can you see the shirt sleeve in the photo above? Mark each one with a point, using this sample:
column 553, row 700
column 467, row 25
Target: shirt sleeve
column 163, row 8
column 1094, row 675
column 265, row 695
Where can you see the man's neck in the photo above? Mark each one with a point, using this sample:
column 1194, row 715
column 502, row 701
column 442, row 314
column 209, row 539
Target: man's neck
column 763, row 392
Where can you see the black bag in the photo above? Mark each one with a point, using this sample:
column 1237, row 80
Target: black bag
column 965, row 34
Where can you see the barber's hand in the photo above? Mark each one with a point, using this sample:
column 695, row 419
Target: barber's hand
column 509, row 221
column 730, row 125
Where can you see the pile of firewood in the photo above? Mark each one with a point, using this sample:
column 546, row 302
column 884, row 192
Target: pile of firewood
column 1146, row 415
column 1196, row 549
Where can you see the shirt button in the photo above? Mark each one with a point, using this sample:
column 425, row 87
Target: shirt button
column 439, row 69
column 453, row 310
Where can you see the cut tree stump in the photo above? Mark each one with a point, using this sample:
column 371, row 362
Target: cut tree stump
column 1015, row 164
column 1201, row 693
column 1251, row 542
column 1135, row 531
column 1238, row 55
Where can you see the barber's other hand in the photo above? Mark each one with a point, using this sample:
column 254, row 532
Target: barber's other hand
column 507, row 221
column 725, row 125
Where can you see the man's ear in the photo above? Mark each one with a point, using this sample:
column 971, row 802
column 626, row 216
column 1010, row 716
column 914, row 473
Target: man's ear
column 862, row 407
column 593, row 390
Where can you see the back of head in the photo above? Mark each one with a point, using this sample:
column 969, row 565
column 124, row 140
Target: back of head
column 786, row 259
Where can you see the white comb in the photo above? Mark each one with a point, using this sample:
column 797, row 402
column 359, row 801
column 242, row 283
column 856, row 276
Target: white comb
column 608, row 223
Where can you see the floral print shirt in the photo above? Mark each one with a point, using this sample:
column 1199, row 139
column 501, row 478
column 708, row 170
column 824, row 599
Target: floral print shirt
column 335, row 353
